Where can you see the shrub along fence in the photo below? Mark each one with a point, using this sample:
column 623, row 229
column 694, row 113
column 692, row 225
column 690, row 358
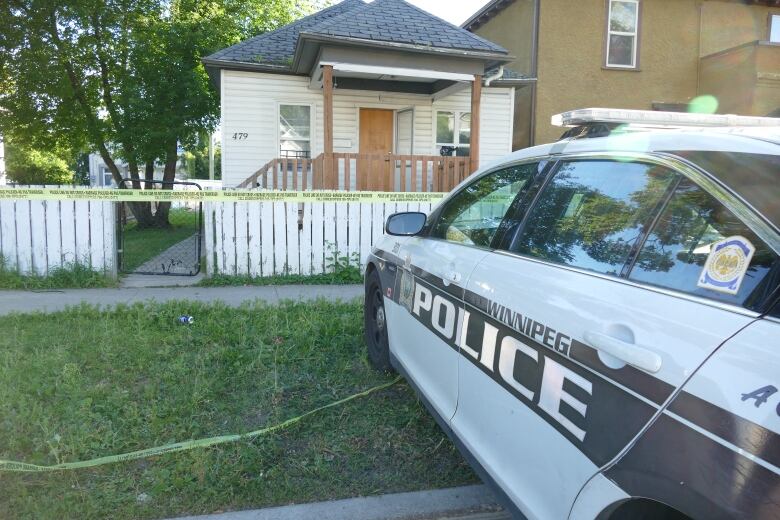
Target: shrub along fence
column 278, row 238
column 39, row 236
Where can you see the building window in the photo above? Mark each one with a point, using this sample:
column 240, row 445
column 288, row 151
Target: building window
column 622, row 33
column 453, row 133
column 295, row 131
column 774, row 28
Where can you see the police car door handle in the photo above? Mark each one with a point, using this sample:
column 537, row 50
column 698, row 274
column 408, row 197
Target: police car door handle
column 449, row 277
column 632, row 354
column 453, row 276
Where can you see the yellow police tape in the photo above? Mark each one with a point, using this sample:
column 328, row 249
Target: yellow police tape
column 236, row 195
column 10, row 465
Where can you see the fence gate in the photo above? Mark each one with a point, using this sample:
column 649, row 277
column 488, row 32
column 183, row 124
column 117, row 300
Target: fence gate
column 149, row 244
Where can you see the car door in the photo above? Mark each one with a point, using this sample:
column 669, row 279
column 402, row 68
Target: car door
column 432, row 272
column 567, row 357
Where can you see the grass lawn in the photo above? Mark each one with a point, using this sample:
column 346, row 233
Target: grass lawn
column 85, row 383
column 74, row 276
column 141, row 245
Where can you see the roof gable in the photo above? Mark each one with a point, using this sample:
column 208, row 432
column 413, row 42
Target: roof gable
column 398, row 21
column 383, row 21
column 278, row 47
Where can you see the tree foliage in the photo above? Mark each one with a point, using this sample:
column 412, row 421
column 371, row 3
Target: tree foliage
column 31, row 166
column 121, row 77
column 196, row 159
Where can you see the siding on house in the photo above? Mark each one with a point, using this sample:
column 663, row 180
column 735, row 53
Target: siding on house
column 250, row 106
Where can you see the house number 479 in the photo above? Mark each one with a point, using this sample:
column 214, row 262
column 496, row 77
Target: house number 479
column 240, row 136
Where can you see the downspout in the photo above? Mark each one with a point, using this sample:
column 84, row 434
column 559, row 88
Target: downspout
column 495, row 76
column 534, row 70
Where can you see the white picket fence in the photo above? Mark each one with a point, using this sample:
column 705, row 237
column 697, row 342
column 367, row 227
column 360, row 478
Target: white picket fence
column 272, row 238
column 239, row 238
column 37, row 236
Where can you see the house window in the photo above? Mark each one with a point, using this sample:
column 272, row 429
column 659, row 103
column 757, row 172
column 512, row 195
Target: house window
column 453, row 130
column 774, row 28
column 622, row 33
column 295, row 131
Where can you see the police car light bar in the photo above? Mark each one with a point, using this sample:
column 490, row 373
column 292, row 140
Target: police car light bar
column 653, row 118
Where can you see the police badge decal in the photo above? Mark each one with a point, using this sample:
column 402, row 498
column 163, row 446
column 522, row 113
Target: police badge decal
column 726, row 265
column 406, row 295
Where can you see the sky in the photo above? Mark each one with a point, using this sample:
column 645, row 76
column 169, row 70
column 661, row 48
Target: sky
column 454, row 11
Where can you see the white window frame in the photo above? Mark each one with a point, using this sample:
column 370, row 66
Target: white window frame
column 312, row 126
column 455, row 129
column 774, row 37
column 635, row 50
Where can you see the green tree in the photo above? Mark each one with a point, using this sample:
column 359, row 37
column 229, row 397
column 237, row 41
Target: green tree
column 31, row 166
column 123, row 77
column 196, row 159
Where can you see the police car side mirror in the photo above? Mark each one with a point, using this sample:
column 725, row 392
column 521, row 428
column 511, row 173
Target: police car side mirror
column 406, row 224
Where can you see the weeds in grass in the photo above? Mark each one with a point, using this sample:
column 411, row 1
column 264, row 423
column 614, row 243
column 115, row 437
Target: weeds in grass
column 84, row 383
column 340, row 269
column 70, row 276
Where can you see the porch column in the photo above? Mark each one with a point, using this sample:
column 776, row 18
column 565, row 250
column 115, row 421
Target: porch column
column 327, row 89
column 476, row 96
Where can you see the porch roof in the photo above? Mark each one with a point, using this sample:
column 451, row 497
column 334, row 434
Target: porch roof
column 389, row 24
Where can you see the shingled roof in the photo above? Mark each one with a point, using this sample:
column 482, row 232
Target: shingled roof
column 384, row 21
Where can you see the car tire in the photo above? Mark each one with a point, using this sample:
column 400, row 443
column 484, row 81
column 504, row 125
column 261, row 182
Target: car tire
column 375, row 324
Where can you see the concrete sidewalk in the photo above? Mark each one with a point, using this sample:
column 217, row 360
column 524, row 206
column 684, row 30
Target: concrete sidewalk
column 461, row 503
column 54, row 300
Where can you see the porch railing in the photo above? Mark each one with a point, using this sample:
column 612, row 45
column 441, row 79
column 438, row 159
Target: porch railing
column 362, row 172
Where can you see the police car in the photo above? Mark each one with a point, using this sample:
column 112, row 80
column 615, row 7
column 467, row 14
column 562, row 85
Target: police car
column 596, row 322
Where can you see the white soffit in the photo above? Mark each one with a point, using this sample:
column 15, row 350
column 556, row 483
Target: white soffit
column 399, row 72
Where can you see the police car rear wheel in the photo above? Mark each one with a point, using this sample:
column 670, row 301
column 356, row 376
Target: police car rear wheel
column 375, row 325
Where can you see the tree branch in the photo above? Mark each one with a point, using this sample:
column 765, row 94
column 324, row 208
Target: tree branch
column 78, row 93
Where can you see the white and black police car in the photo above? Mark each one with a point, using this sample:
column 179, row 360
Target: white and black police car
column 596, row 322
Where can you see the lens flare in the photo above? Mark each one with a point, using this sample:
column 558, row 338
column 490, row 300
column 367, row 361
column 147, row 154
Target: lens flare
column 703, row 105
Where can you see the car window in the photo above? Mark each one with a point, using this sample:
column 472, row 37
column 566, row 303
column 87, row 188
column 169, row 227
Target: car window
column 676, row 250
column 473, row 216
column 591, row 213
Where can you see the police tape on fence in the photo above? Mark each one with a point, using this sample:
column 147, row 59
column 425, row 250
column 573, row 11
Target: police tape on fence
column 236, row 195
column 26, row 467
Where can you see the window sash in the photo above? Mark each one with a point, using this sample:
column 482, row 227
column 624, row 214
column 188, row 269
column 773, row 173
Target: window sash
column 452, row 116
column 632, row 34
column 456, row 118
column 294, row 141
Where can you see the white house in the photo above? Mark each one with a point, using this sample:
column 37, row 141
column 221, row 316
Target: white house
column 100, row 175
column 378, row 95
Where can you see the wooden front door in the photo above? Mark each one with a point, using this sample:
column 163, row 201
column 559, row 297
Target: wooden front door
column 376, row 131
column 376, row 143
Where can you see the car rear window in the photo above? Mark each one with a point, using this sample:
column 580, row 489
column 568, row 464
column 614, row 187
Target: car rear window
column 674, row 253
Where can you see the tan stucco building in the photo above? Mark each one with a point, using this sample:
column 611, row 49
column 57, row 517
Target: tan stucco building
column 641, row 54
